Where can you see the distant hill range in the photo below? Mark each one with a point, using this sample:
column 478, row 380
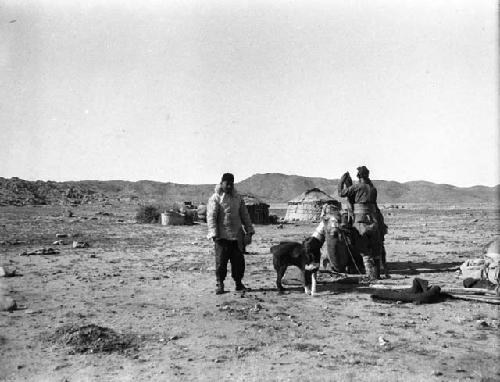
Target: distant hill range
column 271, row 188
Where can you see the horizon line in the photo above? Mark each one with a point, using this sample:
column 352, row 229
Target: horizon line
column 268, row 173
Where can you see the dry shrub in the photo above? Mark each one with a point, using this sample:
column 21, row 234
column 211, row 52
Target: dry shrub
column 147, row 214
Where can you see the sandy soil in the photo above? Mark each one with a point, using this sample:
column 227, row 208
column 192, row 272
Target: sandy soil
column 157, row 283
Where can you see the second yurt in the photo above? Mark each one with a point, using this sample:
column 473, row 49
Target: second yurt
column 257, row 209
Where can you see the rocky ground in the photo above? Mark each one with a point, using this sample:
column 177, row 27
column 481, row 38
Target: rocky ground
column 139, row 304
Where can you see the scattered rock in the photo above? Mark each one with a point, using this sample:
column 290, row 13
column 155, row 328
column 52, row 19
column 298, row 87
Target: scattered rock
column 7, row 304
column 402, row 238
column 104, row 213
column 383, row 343
column 59, row 367
column 80, row 244
column 61, row 235
column 12, row 242
column 41, row 251
column 436, row 373
column 482, row 324
column 7, row 271
column 59, row 242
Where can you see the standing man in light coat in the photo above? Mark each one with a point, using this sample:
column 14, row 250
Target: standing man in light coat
column 228, row 225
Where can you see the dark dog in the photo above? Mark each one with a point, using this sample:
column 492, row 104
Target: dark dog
column 305, row 256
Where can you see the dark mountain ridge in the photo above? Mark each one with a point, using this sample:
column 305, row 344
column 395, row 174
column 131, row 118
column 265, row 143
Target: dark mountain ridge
column 281, row 188
column 270, row 187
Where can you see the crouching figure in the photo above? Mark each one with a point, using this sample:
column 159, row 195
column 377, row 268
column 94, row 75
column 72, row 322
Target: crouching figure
column 339, row 236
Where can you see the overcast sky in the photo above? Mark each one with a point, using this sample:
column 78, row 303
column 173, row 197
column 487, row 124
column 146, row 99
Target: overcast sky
column 183, row 91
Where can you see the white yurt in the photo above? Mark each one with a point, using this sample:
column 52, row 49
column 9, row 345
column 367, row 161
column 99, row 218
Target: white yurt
column 308, row 205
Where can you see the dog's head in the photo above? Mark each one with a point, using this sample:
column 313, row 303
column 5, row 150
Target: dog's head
column 312, row 249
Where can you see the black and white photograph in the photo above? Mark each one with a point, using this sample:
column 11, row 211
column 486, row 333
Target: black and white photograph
column 253, row 191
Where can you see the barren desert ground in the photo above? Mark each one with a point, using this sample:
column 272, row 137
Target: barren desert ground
column 154, row 286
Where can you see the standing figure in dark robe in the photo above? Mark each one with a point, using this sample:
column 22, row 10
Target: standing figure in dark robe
column 366, row 220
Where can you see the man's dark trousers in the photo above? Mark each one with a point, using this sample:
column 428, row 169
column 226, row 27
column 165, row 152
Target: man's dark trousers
column 228, row 250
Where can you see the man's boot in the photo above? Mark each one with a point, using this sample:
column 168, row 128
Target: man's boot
column 386, row 271
column 351, row 270
column 377, row 269
column 370, row 269
column 240, row 287
column 383, row 263
column 220, row 288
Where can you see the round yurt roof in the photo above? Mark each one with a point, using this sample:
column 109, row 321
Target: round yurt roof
column 251, row 200
column 313, row 195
